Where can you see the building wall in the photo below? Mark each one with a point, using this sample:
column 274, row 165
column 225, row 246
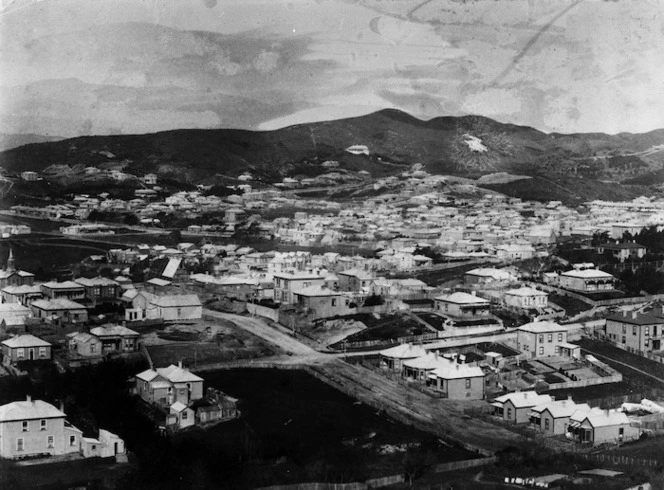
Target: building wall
column 540, row 344
column 635, row 336
column 457, row 389
column 611, row 433
column 176, row 313
column 12, row 355
column 556, row 425
column 35, row 440
column 90, row 348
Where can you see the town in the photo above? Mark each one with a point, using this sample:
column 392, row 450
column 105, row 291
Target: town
column 483, row 319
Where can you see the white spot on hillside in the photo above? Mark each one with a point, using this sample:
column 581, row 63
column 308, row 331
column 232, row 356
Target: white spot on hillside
column 474, row 143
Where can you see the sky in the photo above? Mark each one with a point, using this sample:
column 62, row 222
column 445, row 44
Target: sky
column 77, row 67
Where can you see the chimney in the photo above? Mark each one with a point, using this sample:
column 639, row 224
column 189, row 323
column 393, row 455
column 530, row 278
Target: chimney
column 634, row 313
column 569, row 397
column 62, row 406
column 28, row 398
column 525, row 395
column 180, row 364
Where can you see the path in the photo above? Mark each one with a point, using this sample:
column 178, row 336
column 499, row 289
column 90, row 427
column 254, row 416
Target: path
column 407, row 404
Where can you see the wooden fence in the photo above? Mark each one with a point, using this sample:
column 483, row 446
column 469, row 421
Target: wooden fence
column 469, row 463
column 607, row 459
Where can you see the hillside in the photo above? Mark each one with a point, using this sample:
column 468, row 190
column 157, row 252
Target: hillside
column 467, row 146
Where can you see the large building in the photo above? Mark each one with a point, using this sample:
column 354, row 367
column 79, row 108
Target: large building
column 636, row 332
column 287, row 283
column 463, row 305
column 586, row 279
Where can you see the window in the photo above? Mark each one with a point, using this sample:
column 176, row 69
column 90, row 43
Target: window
column 42, row 424
column 541, row 350
column 560, row 337
column 24, row 426
column 179, row 312
column 334, row 302
column 468, row 383
column 93, row 348
column 184, row 415
column 647, row 331
column 42, row 352
column 541, row 338
column 20, row 446
column 50, row 441
column 97, row 291
column 509, row 413
column 182, row 391
column 20, row 353
column 550, row 338
column 634, row 330
column 624, row 329
column 546, row 424
column 72, row 440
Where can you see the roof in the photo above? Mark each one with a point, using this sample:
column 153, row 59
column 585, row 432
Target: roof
column 587, row 274
column 29, row 410
column 497, row 274
column 24, row 289
column 62, row 285
column 561, row 408
column 8, row 308
column 178, row 407
column 462, row 298
column 428, row 361
column 526, row 291
column 147, row 375
column 358, row 273
column 113, row 331
column 57, row 304
column 177, row 374
column 456, row 371
column 155, row 281
column 542, row 327
column 297, row 276
column 316, row 290
column 606, row 418
column 620, row 246
column 172, row 266
column 83, row 337
column 176, row 300
column 635, row 318
column 25, row 340
column 524, row 399
column 96, row 281
column 404, row 351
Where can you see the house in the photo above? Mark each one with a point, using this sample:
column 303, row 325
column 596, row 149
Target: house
column 59, row 311
column 29, row 176
column 116, row 338
column 515, row 407
column 84, row 344
column 149, row 179
column 35, row 428
column 525, row 298
column 180, row 416
column 393, row 358
column 14, row 315
column 541, row 339
column 25, row 348
column 215, row 407
column 11, row 277
column 165, row 386
column 355, row 280
column 488, row 276
column 458, row 381
column 515, row 251
column 636, row 332
column 106, row 445
column 175, row 307
column 419, row 368
column 63, row 290
column 286, row 283
column 462, row 305
column 622, row 251
column 321, row 302
column 22, row 295
column 99, row 289
column 585, row 278
column 552, row 418
column 601, row 426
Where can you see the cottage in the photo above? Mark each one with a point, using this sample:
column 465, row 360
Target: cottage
column 23, row 295
column 541, row 339
column 622, row 251
column 458, row 381
column 462, row 305
column 180, row 416
column 59, row 311
column 25, row 348
column 165, row 386
column 552, row 418
column 516, row 407
column 420, row 367
column 215, row 407
column 116, row 338
column 355, row 280
column 394, row 357
column 84, row 344
column 587, row 280
column 287, row 283
column 175, row 307
column 601, row 426
column 526, row 298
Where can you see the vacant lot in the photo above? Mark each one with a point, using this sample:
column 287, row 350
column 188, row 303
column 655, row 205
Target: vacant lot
column 388, row 328
column 572, row 306
column 436, row 321
column 205, row 343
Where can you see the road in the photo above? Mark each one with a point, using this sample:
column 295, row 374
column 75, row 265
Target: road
column 439, row 416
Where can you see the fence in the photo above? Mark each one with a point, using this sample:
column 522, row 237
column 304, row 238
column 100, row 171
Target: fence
column 372, row 483
column 469, row 463
column 622, row 461
column 263, row 311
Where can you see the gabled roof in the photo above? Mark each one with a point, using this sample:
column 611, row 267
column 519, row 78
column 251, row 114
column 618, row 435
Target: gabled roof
column 178, row 407
column 454, row 370
column 176, row 300
column 606, row 418
column 176, row 374
column 147, row 375
column 57, row 304
column 29, row 410
column 428, row 361
column 96, row 281
column 83, row 338
column 524, row 399
column 62, row 285
column 317, row 291
column 525, row 291
column 25, row 340
column 113, row 331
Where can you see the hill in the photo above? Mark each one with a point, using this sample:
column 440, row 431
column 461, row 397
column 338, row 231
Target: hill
column 9, row 141
column 467, row 146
